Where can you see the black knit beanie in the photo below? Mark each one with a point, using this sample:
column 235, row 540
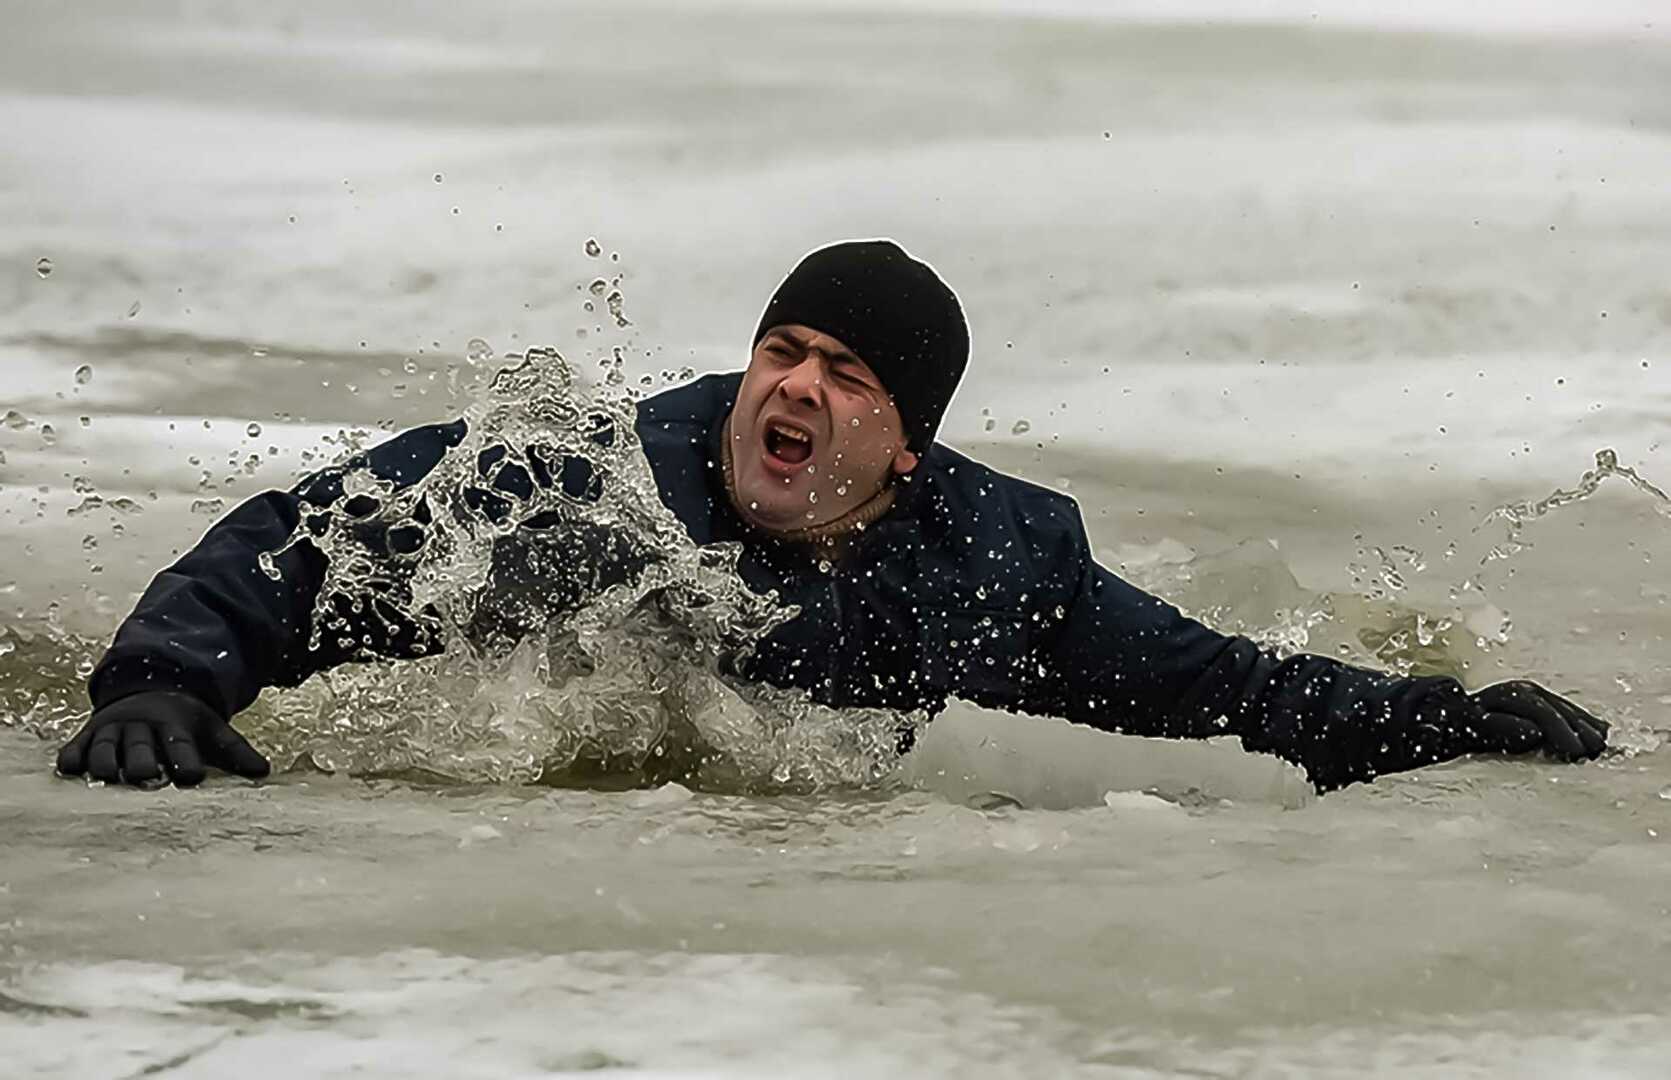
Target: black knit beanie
column 891, row 310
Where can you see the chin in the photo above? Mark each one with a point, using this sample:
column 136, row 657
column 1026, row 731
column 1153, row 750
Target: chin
column 767, row 513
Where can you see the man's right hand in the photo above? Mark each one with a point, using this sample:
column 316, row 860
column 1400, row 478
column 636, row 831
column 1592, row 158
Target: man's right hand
column 142, row 738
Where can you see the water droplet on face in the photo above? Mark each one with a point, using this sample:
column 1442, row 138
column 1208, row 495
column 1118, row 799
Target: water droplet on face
column 253, row 431
column 43, row 267
column 593, row 248
column 1021, row 427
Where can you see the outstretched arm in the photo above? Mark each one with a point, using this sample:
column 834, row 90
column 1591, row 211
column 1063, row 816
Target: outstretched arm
column 214, row 629
column 1126, row 661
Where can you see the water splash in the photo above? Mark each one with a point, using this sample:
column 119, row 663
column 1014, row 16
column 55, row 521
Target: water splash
column 1516, row 515
column 613, row 666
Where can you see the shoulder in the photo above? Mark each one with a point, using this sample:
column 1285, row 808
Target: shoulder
column 695, row 405
column 993, row 542
column 957, row 489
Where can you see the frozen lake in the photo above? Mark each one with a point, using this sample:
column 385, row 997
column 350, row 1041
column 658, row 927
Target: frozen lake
column 1290, row 305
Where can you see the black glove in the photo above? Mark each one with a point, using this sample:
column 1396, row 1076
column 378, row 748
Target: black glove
column 1520, row 716
column 134, row 739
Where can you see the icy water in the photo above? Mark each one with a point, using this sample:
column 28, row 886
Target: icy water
column 1351, row 338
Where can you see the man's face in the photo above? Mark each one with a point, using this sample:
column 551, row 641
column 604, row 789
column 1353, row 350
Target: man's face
column 813, row 434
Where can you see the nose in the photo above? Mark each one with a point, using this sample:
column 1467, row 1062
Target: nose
column 804, row 383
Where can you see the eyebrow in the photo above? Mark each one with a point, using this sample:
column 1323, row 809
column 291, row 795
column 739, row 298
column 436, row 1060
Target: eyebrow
column 800, row 342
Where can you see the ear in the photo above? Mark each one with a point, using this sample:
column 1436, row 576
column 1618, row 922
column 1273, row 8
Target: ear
column 904, row 462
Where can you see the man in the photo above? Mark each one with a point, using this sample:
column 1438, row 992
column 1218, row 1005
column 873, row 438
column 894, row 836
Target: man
column 919, row 573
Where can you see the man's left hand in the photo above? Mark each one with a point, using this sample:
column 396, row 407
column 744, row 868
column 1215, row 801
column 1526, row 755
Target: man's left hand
column 1521, row 716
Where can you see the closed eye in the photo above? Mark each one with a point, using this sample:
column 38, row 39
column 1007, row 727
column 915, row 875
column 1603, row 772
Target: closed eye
column 849, row 373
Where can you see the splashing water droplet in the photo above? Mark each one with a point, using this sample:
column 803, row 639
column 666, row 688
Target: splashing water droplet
column 133, row 309
column 15, row 420
column 598, row 287
column 593, row 248
column 437, row 178
column 517, row 685
column 43, row 267
column 1021, row 427
column 253, row 431
column 83, row 374
column 478, row 351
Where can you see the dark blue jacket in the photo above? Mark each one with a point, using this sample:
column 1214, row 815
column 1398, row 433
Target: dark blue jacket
column 976, row 585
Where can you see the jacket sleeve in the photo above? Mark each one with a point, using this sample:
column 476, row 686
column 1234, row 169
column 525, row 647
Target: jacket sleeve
column 1123, row 660
column 218, row 627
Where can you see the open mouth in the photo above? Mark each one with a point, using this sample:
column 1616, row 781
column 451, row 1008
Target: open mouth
column 787, row 445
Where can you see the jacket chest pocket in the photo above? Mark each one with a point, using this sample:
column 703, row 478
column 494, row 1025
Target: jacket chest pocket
column 980, row 655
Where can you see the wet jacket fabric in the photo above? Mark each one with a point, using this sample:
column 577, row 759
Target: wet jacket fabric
column 976, row 585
